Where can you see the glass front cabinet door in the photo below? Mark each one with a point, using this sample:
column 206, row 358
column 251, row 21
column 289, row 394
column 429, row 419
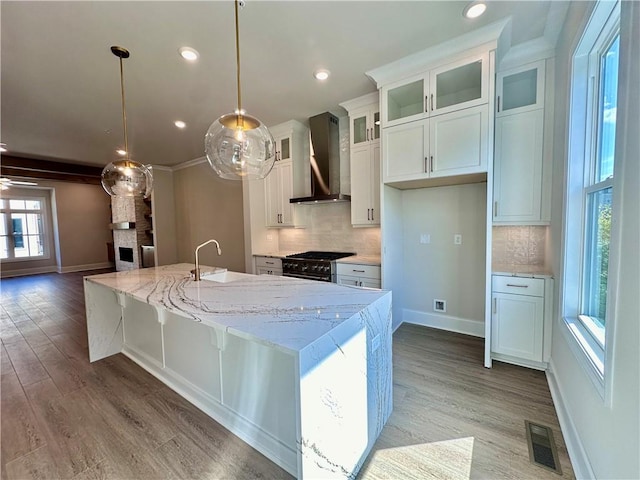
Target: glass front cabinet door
column 365, row 125
column 459, row 85
column 520, row 89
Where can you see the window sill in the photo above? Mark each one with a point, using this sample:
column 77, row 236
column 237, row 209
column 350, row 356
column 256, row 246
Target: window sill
column 588, row 353
column 25, row 259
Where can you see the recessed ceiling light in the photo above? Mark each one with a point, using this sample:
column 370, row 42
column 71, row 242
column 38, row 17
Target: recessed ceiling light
column 474, row 9
column 3, row 147
column 189, row 53
column 321, row 74
column 179, row 124
column 121, row 152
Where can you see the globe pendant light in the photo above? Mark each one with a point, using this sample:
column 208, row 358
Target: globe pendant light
column 238, row 145
column 125, row 177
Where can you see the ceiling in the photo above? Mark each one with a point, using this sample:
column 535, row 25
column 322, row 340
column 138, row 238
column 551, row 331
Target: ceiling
column 60, row 84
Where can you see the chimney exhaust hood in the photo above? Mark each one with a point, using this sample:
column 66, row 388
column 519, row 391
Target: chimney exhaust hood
column 325, row 161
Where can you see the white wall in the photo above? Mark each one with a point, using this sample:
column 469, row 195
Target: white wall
column 604, row 440
column 208, row 207
column 164, row 217
column 442, row 270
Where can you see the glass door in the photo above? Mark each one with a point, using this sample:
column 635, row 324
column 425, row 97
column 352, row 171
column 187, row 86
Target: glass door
column 459, row 85
column 521, row 89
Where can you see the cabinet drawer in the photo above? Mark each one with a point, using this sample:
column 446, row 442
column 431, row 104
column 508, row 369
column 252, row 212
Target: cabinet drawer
column 357, row 270
column 518, row 285
column 269, row 262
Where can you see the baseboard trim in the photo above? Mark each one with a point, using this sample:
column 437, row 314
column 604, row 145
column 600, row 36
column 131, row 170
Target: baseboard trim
column 28, row 271
column 84, row 268
column 444, row 322
column 577, row 453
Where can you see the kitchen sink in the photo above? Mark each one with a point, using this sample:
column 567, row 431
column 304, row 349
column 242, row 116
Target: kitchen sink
column 225, row 277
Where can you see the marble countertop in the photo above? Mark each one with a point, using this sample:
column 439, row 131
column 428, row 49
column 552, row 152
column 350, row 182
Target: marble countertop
column 362, row 260
column 278, row 254
column 531, row 271
column 287, row 313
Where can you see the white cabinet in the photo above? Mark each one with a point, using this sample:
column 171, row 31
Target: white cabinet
column 365, row 185
column 517, row 188
column 521, row 324
column 290, row 176
column 364, row 121
column 268, row 266
column 358, row 275
column 520, row 159
column 520, row 89
column 455, row 143
column 278, row 191
column 456, row 85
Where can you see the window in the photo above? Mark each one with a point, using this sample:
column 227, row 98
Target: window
column 589, row 211
column 22, row 228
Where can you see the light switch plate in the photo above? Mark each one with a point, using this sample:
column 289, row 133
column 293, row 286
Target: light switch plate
column 457, row 239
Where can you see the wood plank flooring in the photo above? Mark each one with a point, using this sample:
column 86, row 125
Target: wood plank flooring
column 62, row 417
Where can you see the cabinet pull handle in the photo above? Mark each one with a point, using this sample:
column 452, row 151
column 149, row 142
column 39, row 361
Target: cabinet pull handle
column 432, row 102
column 495, row 208
column 269, row 263
column 372, row 214
column 359, row 271
column 431, row 164
column 372, row 137
column 495, row 308
column 426, row 164
column 367, row 135
column 498, row 103
column 426, row 103
column 516, row 285
column 368, row 214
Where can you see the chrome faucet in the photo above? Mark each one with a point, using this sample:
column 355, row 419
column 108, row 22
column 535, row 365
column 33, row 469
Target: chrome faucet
column 196, row 271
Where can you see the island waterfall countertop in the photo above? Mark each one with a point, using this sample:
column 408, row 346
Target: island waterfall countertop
column 298, row 369
column 287, row 313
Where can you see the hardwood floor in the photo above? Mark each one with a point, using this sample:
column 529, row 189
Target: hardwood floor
column 62, row 417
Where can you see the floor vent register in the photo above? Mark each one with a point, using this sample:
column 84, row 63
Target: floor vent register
column 542, row 447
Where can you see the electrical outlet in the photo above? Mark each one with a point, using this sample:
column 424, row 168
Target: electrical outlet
column 269, row 237
column 439, row 305
column 425, row 238
column 457, row 239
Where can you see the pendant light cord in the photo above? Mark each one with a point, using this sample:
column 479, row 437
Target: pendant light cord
column 240, row 120
column 124, row 113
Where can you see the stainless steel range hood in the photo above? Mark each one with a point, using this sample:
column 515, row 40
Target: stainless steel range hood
column 325, row 161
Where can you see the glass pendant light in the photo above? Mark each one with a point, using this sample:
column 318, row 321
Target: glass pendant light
column 125, row 177
column 238, row 145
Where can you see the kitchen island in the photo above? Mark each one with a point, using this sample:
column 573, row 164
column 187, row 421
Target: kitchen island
column 300, row 370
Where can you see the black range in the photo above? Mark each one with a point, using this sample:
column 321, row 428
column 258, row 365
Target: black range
column 313, row 265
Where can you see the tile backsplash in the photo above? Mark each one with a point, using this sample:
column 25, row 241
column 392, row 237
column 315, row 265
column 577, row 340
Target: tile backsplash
column 524, row 245
column 329, row 228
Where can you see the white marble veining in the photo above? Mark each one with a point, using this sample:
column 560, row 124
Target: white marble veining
column 287, row 313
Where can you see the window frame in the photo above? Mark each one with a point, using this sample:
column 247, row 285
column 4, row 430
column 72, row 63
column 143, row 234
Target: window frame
column 591, row 347
column 44, row 207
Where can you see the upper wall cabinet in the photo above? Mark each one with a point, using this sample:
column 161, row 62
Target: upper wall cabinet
column 364, row 124
column 364, row 121
column 520, row 89
column 523, row 146
column 456, row 143
column 454, row 86
column 290, row 176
